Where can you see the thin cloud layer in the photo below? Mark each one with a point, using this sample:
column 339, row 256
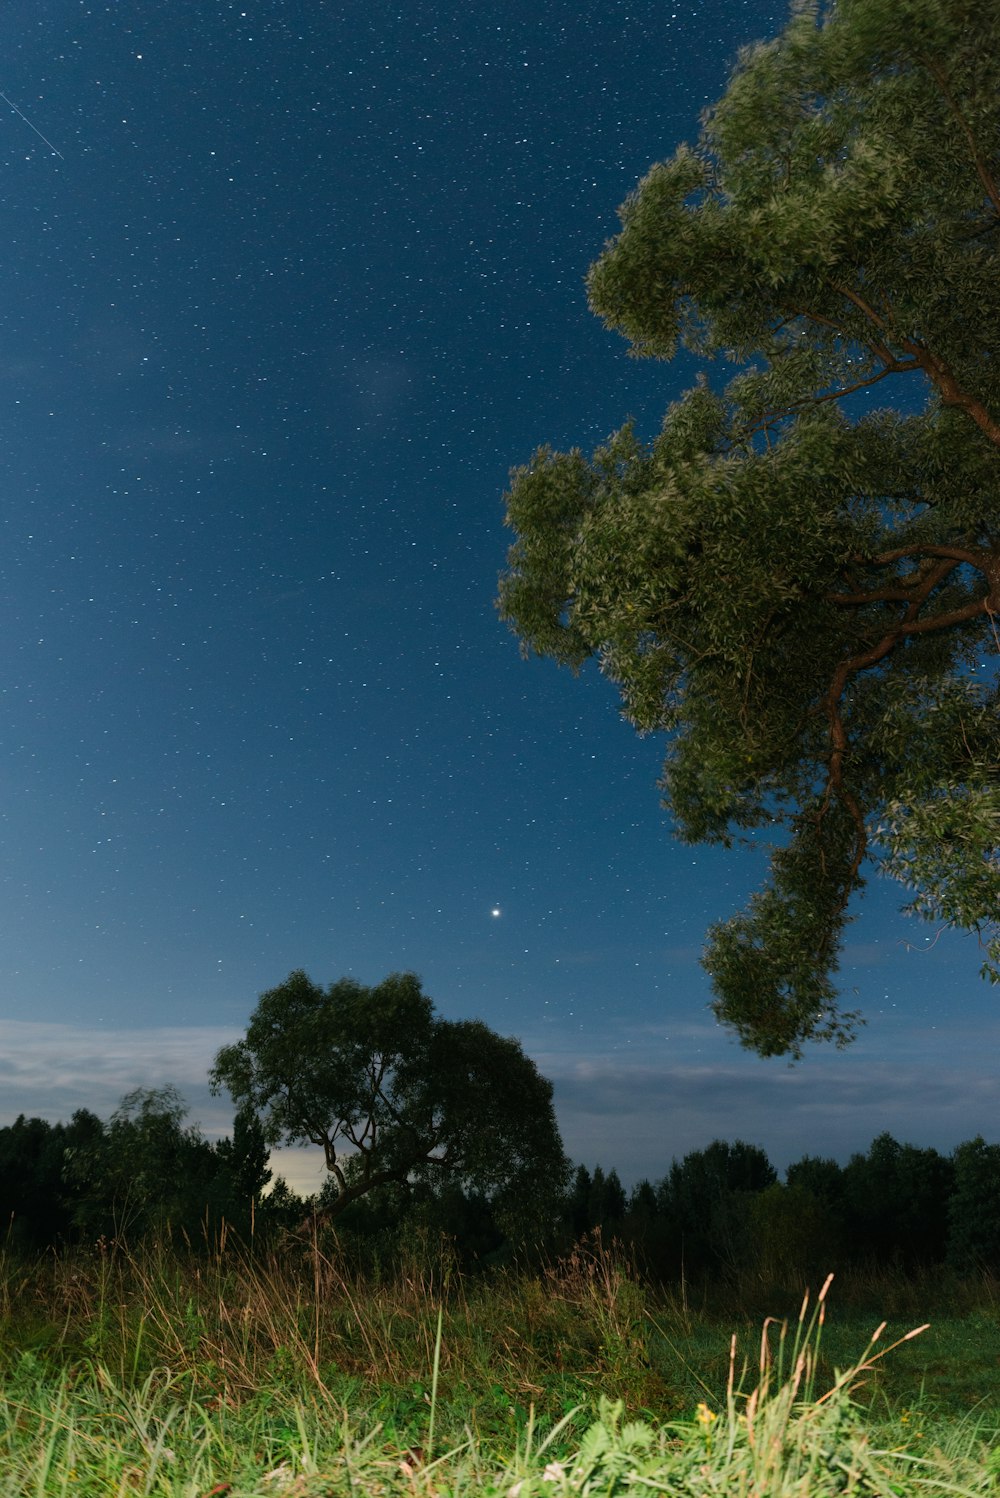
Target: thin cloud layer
column 639, row 1117
column 635, row 1108
column 50, row 1070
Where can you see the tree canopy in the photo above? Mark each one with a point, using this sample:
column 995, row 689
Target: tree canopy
column 799, row 586
column 394, row 1094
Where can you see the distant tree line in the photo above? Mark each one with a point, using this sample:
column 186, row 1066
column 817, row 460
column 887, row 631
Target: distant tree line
column 136, row 1174
column 434, row 1129
column 717, row 1212
column 722, row 1211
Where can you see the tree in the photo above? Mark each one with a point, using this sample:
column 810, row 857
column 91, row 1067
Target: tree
column 708, row 1197
column 896, row 1202
column 578, row 1203
column 795, row 1235
column 35, row 1186
column 823, row 1179
column 391, row 1093
column 244, row 1158
column 606, row 1202
column 144, row 1170
column 974, row 1209
column 802, row 589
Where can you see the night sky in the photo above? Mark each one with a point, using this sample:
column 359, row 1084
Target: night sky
column 286, row 291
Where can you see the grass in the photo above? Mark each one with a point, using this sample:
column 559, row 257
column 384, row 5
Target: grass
column 227, row 1374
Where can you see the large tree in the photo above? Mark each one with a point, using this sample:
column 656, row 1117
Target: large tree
column 393, row 1094
column 801, row 588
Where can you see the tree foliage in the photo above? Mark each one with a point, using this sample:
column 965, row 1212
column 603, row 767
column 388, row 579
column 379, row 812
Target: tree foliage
column 36, row 1192
column 974, row 1207
column 708, row 1197
column 896, row 1198
column 393, row 1094
column 244, row 1157
column 799, row 587
column 145, row 1169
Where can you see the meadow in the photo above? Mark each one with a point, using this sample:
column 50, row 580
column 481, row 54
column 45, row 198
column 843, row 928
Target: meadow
column 234, row 1371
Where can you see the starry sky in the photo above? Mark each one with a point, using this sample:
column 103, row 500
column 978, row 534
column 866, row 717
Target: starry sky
column 287, row 289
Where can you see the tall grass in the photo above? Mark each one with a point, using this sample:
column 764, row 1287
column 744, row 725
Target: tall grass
column 162, row 1371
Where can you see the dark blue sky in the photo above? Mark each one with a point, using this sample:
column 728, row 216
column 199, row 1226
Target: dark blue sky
column 301, row 285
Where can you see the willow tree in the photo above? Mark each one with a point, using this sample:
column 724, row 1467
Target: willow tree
column 798, row 580
column 394, row 1095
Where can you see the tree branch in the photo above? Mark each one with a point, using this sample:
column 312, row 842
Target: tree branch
column 809, row 401
column 935, row 368
column 980, row 559
column 910, row 624
column 951, row 391
column 900, row 594
column 867, row 310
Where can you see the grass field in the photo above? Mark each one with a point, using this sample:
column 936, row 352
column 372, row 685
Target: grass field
column 231, row 1374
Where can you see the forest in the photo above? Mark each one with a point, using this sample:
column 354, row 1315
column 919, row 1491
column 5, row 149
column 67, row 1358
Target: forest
column 715, row 1213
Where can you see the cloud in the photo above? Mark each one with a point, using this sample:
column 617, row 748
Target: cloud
column 628, row 1097
column 50, row 1070
column 868, row 953
column 638, row 1117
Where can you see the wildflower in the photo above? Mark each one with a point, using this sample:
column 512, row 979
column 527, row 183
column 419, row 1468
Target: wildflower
column 705, row 1416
